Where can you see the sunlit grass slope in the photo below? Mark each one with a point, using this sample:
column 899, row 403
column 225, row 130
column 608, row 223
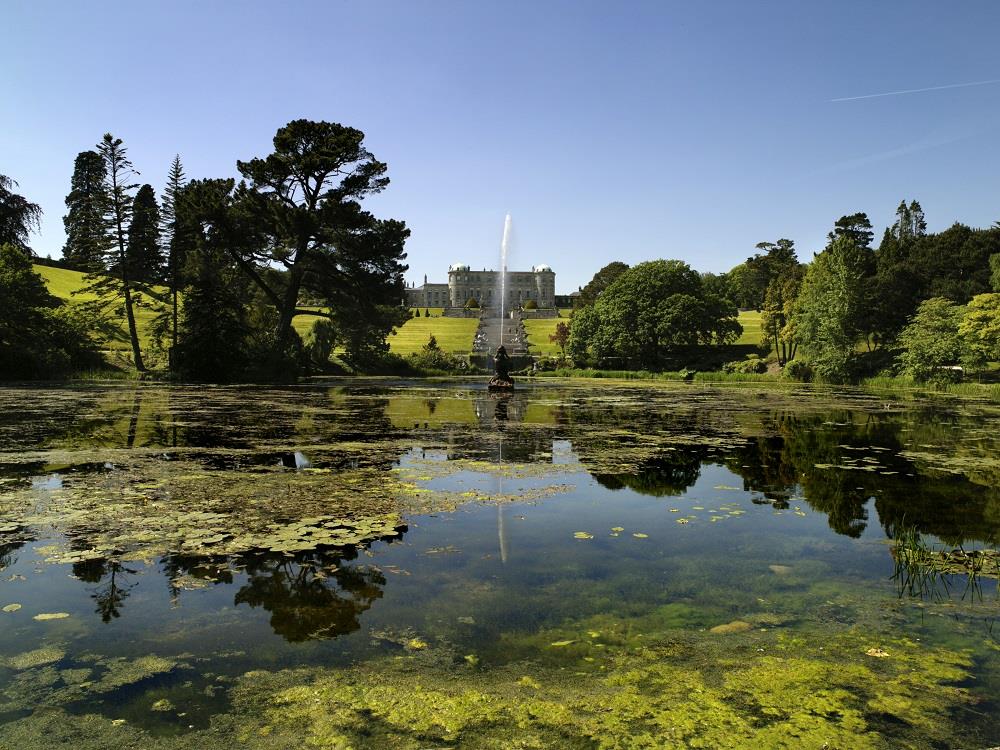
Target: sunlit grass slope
column 750, row 320
column 113, row 334
column 454, row 335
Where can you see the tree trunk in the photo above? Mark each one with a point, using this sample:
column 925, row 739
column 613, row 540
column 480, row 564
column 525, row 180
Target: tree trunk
column 123, row 268
column 132, row 332
column 173, row 337
column 288, row 304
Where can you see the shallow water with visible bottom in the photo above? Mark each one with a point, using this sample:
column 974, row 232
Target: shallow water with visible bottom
column 416, row 564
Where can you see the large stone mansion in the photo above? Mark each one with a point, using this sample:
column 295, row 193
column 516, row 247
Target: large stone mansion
column 538, row 284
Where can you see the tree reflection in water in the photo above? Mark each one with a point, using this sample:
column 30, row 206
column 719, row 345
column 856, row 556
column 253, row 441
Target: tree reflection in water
column 311, row 596
column 113, row 585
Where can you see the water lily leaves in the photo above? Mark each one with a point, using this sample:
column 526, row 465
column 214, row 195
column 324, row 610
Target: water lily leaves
column 618, row 529
column 561, row 644
column 582, row 535
column 416, row 644
column 12, row 607
column 640, row 535
column 163, row 704
column 45, row 616
column 877, row 653
column 682, row 520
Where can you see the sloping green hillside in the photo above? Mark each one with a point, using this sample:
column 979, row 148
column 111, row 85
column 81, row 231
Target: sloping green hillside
column 112, row 332
column 454, row 335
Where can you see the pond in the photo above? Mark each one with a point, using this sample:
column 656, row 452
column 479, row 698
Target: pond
column 383, row 564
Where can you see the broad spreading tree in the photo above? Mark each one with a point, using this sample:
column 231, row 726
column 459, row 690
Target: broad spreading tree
column 648, row 312
column 19, row 217
column 305, row 201
column 86, row 232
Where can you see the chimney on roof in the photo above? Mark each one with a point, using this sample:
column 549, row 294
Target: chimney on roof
column 425, row 279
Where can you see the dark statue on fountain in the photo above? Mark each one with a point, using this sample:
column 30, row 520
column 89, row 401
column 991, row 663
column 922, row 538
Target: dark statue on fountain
column 501, row 381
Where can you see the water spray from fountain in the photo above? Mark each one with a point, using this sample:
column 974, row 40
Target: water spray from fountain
column 504, row 246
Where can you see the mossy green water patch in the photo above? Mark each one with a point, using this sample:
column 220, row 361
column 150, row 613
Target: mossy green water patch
column 646, row 697
column 36, row 658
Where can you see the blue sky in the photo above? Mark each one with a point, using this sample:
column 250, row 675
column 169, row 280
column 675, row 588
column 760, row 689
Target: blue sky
column 610, row 131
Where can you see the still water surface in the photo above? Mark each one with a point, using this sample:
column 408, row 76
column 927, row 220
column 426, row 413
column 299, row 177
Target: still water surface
column 398, row 564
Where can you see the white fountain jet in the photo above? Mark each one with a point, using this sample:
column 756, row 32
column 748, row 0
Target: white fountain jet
column 504, row 246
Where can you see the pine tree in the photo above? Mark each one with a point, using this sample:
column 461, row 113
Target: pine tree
column 143, row 251
column 918, row 226
column 903, row 227
column 171, row 238
column 117, row 203
column 86, row 238
column 910, row 222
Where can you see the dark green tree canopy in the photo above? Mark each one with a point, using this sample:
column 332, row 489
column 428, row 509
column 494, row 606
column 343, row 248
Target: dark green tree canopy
column 214, row 341
column 19, row 217
column 86, row 236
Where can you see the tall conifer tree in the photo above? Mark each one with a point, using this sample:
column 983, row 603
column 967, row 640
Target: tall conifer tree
column 86, row 238
column 171, row 238
column 118, row 200
column 143, row 252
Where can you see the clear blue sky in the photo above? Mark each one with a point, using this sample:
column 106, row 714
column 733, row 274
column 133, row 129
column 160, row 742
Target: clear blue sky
column 611, row 131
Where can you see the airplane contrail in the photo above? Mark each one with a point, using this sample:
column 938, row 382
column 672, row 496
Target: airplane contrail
column 917, row 91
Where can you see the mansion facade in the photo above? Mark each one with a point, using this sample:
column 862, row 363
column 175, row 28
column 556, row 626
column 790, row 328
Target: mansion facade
column 464, row 284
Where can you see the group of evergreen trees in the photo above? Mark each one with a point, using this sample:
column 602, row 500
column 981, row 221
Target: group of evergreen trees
column 230, row 265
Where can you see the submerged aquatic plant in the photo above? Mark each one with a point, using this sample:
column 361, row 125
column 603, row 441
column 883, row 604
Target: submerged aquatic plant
column 924, row 571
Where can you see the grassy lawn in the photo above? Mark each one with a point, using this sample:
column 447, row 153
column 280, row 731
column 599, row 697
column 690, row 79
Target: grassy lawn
column 751, row 321
column 454, row 335
column 538, row 332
